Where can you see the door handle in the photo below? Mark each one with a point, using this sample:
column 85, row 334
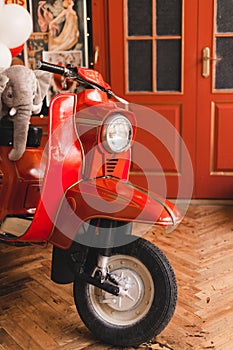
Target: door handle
column 206, row 58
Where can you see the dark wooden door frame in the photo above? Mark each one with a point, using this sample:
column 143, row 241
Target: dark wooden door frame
column 100, row 37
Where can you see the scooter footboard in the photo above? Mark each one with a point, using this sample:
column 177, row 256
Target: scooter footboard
column 111, row 198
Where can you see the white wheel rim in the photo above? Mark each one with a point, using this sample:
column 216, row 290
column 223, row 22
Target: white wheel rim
column 136, row 292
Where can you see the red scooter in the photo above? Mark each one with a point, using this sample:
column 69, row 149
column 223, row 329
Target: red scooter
column 75, row 194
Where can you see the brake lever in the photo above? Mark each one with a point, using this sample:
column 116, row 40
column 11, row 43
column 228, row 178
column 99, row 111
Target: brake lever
column 120, row 99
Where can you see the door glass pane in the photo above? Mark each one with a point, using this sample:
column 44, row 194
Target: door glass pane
column 154, row 63
column 224, row 16
column 140, row 65
column 169, row 15
column 139, row 17
column 224, row 67
column 168, row 65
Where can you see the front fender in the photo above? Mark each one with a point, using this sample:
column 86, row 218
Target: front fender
column 110, row 198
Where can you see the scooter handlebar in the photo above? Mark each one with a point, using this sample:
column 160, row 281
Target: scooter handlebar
column 69, row 72
column 53, row 68
column 73, row 73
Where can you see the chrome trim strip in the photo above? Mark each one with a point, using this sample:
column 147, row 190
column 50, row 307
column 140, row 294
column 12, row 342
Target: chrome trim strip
column 86, row 121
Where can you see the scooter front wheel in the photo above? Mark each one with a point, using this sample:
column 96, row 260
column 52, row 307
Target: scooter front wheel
column 145, row 304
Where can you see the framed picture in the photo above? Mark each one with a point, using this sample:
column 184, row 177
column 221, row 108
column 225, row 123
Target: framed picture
column 64, row 24
column 36, row 44
column 62, row 58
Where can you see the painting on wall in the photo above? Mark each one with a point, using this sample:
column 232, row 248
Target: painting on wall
column 63, row 23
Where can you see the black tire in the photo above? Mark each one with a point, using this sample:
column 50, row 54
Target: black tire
column 147, row 309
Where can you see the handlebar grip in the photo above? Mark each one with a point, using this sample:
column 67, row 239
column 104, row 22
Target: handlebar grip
column 53, row 68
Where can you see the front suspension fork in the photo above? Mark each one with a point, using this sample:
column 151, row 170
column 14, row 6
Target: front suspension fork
column 109, row 232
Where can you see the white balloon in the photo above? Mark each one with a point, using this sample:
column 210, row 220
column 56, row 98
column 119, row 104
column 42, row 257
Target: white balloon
column 15, row 25
column 5, row 56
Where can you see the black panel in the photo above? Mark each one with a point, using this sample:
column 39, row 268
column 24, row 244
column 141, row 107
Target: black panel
column 169, row 17
column 224, row 16
column 224, row 67
column 168, row 65
column 7, row 135
column 140, row 65
column 139, row 17
column 90, row 36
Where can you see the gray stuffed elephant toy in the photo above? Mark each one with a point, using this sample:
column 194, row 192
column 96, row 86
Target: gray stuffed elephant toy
column 22, row 91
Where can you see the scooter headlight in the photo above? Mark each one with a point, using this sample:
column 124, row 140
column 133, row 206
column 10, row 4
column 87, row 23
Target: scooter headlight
column 117, row 134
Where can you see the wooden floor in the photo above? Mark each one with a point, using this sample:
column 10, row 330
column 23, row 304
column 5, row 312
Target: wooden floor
column 36, row 314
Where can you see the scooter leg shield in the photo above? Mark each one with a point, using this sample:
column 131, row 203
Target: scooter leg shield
column 111, row 198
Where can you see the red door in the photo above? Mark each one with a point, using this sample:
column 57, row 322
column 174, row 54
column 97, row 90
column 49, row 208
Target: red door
column 214, row 167
column 175, row 57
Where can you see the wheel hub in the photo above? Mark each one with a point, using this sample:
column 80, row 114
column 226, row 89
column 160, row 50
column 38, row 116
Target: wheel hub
column 131, row 287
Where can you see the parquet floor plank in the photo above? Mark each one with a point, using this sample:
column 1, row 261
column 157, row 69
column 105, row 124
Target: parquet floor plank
column 7, row 342
column 25, row 332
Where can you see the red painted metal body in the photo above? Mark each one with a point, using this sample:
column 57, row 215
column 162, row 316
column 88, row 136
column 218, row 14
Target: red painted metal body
column 73, row 178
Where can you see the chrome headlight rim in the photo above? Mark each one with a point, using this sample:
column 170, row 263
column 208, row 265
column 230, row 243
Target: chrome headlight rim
column 119, row 124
